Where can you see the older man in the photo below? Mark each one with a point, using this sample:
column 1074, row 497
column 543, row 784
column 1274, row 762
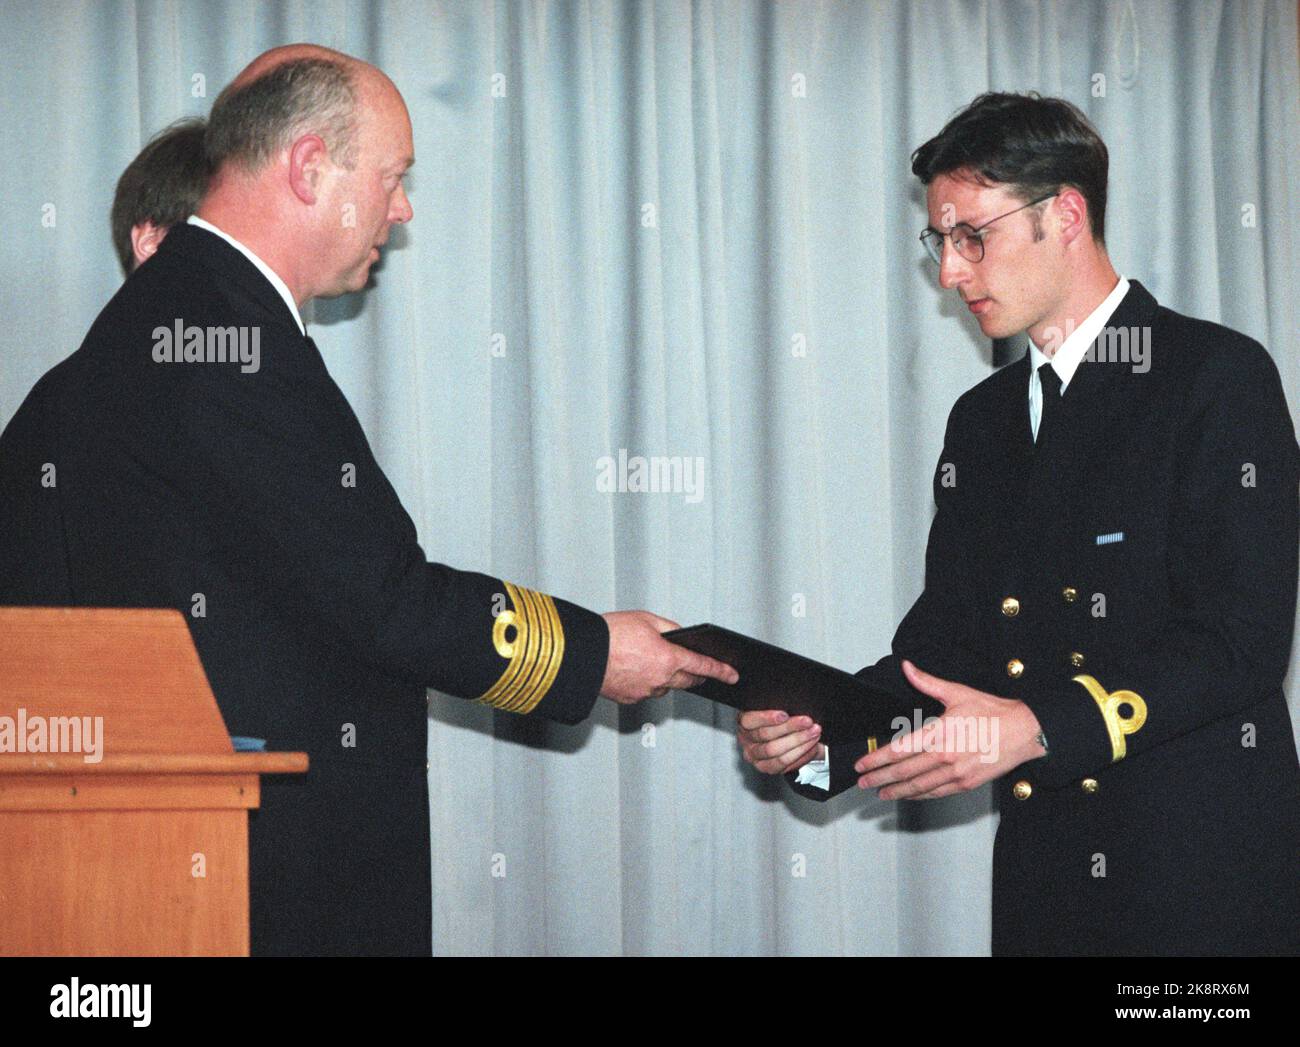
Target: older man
column 207, row 461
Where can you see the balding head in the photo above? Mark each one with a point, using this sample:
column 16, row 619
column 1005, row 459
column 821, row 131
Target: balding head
column 308, row 147
column 283, row 94
column 278, row 56
column 363, row 73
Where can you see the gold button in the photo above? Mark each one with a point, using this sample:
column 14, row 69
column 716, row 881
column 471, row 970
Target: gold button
column 1089, row 785
column 1076, row 659
column 1015, row 668
column 1011, row 607
column 1070, row 593
column 1021, row 790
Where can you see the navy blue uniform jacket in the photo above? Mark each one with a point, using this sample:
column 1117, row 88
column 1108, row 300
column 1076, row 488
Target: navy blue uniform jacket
column 1179, row 833
column 323, row 622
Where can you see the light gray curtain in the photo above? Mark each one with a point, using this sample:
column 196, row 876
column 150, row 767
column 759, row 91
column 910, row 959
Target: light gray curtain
column 679, row 230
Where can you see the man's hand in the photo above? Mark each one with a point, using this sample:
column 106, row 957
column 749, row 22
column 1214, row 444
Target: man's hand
column 642, row 664
column 904, row 770
column 775, row 743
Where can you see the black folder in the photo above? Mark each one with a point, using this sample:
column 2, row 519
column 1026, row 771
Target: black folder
column 847, row 707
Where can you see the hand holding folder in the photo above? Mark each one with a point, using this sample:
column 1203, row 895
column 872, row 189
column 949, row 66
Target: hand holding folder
column 847, row 708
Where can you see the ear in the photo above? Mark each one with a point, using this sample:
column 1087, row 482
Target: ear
column 1072, row 214
column 309, row 160
column 145, row 238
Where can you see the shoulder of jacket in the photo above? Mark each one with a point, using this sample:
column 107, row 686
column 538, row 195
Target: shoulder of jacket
column 1211, row 355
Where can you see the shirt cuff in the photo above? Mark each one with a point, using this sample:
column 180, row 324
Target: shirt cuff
column 816, row 773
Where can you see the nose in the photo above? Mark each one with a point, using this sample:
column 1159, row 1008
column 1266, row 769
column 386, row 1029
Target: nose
column 953, row 268
column 400, row 210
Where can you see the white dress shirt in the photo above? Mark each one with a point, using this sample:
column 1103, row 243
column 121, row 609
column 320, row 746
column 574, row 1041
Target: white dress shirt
column 1065, row 361
column 262, row 267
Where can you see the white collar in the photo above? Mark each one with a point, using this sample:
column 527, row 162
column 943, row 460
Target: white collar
column 1066, row 359
column 262, row 267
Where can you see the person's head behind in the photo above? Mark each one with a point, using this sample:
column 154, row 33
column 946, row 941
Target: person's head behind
column 308, row 148
column 160, row 187
column 998, row 154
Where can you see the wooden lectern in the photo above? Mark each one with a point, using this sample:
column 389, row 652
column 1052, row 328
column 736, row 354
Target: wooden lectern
column 140, row 849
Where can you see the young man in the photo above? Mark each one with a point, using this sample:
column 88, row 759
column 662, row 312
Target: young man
column 160, row 187
column 1130, row 630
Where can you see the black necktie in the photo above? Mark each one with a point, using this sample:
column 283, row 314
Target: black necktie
column 1050, row 382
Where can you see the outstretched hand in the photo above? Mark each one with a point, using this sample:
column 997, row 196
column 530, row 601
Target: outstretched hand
column 642, row 664
column 926, row 765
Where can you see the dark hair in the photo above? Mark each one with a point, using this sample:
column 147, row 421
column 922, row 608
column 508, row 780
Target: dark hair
column 1032, row 145
column 162, row 185
column 252, row 122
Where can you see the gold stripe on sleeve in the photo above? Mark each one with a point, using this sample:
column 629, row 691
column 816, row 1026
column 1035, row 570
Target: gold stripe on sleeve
column 1116, row 726
column 534, row 654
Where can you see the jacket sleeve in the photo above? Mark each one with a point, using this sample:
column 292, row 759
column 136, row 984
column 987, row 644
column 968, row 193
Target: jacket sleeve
column 306, row 515
column 1232, row 562
column 936, row 634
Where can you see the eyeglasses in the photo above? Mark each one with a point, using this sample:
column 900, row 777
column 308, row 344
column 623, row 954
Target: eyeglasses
column 966, row 240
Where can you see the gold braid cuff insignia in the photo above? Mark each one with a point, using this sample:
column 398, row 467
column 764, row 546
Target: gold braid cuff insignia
column 1116, row 726
column 534, row 652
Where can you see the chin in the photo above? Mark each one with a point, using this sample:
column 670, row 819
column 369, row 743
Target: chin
column 999, row 330
column 356, row 282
